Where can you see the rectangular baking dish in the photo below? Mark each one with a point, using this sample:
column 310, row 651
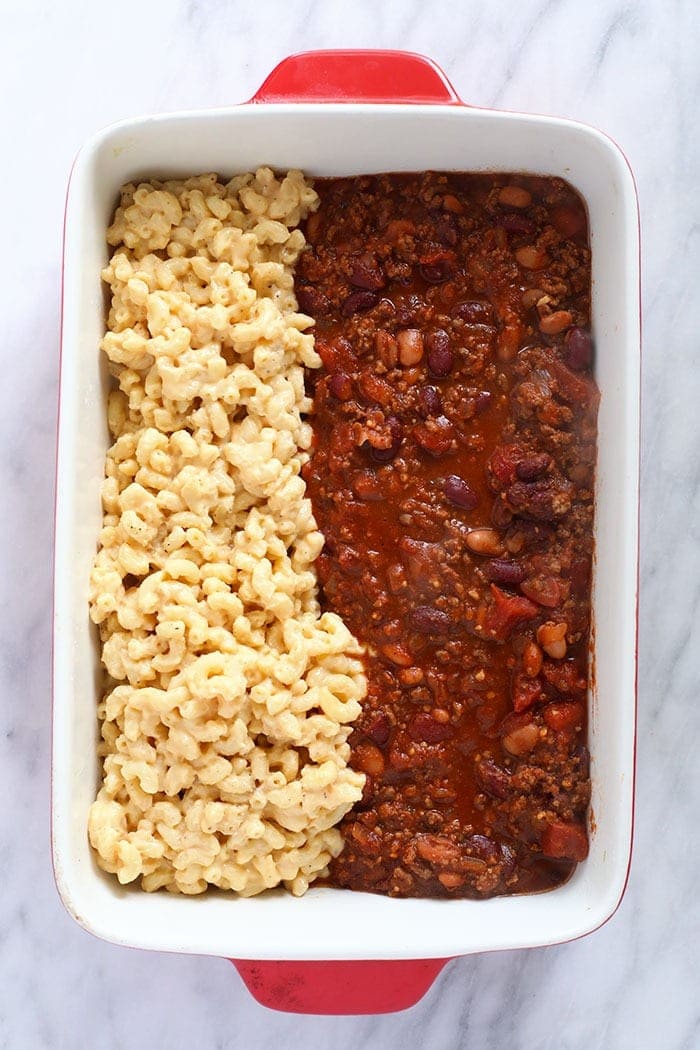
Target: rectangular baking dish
column 343, row 113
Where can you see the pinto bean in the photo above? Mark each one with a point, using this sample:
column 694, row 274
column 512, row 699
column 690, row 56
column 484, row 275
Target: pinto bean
column 521, row 740
column 554, row 323
column 514, row 197
column 531, row 258
column 368, row 759
column 410, row 343
column 486, row 542
column 552, row 638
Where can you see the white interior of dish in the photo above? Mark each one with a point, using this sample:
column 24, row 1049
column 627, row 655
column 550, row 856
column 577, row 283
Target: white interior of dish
column 343, row 140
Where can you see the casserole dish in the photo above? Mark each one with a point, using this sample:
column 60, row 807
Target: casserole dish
column 344, row 113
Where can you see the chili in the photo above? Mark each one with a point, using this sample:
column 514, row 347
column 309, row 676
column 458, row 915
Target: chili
column 452, row 475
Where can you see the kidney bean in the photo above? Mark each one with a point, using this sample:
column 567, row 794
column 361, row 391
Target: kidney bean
column 507, row 573
column 385, row 455
column 410, row 343
column 578, row 348
column 514, row 223
column 358, row 303
column 473, row 312
column 445, row 232
column 541, row 500
column 440, row 356
column 379, row 728
column 493, row 778
column 459, row 492
column 367, row 274
column 482, row 401
column 429, row 402
column 424, row 727
column 312, row 300
column 340, row 386
column 532, row 467
column 484, row 847
column 426, row 619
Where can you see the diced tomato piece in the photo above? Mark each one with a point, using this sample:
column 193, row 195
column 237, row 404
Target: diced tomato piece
column 337, row 355
column 504, row 460
column 563, row 716
column 507, row 611
column 526, row 692
column 565, row 840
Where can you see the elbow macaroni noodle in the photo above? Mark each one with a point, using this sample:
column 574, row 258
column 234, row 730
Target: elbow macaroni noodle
column 230, row 697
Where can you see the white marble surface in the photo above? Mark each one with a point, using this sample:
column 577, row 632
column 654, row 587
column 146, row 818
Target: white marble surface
column 634, row 70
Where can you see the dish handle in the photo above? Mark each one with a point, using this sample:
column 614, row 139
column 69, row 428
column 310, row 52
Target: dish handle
column 358, row 76
column 377, row 986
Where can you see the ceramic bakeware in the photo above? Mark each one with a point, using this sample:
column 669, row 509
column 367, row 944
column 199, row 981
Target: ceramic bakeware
column 344, row 113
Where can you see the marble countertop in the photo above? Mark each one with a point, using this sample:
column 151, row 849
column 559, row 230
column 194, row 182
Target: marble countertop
column 632, row 69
